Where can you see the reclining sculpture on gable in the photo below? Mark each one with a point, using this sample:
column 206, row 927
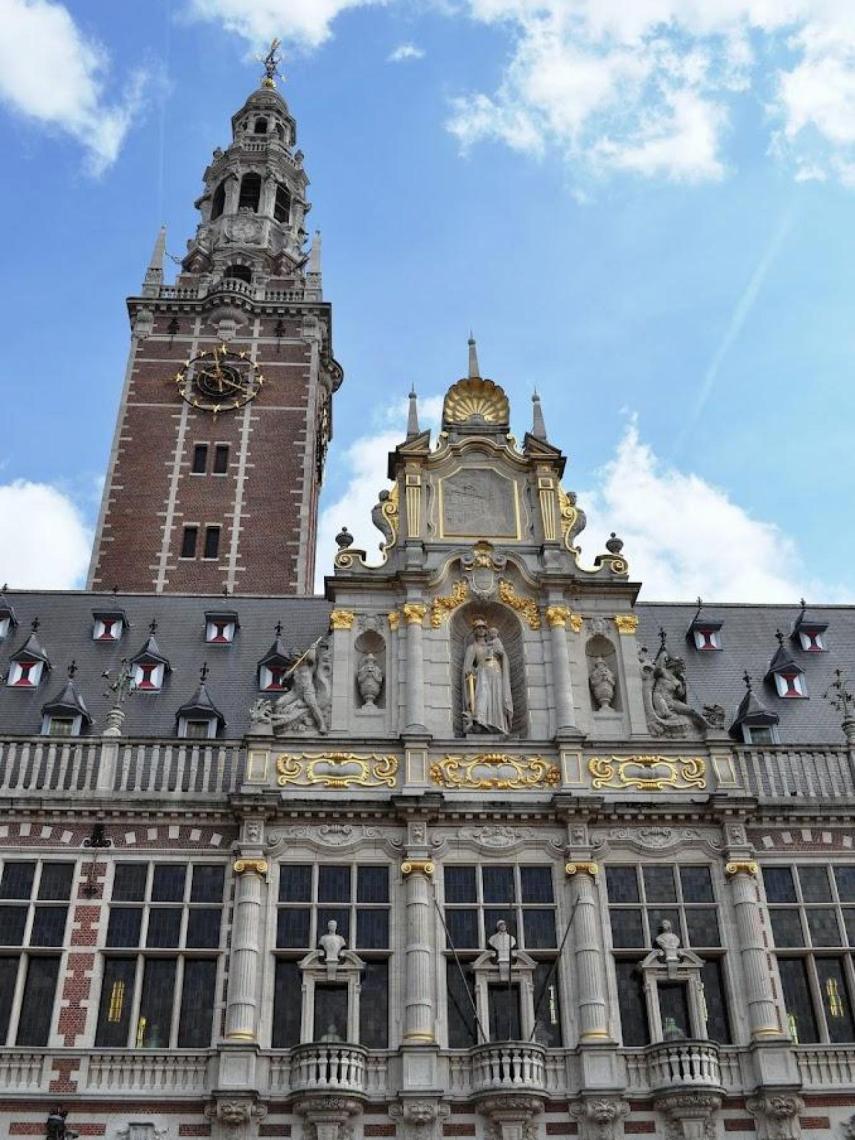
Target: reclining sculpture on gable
column 666, row 697
column 305, row 705
column 487, row 702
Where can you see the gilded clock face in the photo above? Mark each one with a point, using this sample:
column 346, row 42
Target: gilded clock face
column 219, row 380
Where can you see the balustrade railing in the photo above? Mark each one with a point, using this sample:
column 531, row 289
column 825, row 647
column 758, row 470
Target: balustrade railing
column 681, row 1064
column 809, row 773
column 47, row 764
column 137, row 1071
column 328, row 1067
column 826, row 1066
column 509, row 1065
column 22, row 1071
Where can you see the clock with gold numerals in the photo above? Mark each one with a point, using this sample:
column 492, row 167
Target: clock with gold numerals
column 219, row 380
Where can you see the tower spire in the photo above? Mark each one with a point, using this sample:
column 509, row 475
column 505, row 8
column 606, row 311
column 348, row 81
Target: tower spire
column 413, row 415
column 474, row 370
column 154, row 273
column 538, row 424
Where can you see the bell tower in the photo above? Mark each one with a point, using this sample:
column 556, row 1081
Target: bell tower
column 226, row 411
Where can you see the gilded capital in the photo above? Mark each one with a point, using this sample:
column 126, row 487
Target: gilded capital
column 582, row 869
column 575, row 622
column 424, row 866
column 394, row 620
column 414, row 612
column 626, row 623
column 746, row 867
column 342, row 619
column 256, row 866
column 557, row 616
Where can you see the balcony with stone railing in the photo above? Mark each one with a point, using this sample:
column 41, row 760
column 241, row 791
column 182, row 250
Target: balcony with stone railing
column 508, row 1066
column 782, row 773
column 686, row 1064
column 329, row 1068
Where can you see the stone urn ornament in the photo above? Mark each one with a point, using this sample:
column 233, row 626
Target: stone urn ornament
column 369, row 681
column 602, row 682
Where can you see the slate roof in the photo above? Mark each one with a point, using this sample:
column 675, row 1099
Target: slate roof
column 65, row 632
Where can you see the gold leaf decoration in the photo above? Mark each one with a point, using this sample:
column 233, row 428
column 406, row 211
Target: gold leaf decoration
column 648, row 773
column 442, row 606
column 526, row 606
column 475, row 397
column 336, row 770
column 494, row 771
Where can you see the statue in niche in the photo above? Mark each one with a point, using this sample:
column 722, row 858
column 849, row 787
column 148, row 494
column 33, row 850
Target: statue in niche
column 332, row 943
column 304, row 706
column 487, row 702
column 503, row 944
column 668, row 943
column 369, row 680
column 380, row 519
column 602, row 683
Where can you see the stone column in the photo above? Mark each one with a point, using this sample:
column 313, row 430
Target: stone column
column 341, row 704
column 230, row 205
column 763, row 1018
column 242, row 1004
column 558, row 618
column 590, row 975
column 414, row 615
column 419, row 1006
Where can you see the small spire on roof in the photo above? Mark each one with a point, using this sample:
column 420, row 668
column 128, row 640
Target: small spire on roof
column 152, row 626
column 203, row 673
column 34, row 625
column 746, row 677
column 271, row 65
column 474, row 370
column 413, row 414
column 779, row 637
column 538, row 424
column 278, row 629
column 72, row 669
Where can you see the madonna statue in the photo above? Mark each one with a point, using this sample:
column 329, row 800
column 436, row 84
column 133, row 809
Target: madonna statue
column 487, row 702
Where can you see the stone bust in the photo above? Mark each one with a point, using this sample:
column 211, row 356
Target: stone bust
column 668, row 942
column 332, row 943
column 503, row 943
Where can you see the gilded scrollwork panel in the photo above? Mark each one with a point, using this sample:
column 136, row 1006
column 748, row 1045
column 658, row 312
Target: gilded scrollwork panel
column 648, row 773
column 336, row 770
column 494, row 771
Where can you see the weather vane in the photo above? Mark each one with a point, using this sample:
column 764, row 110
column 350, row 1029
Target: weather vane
column 271, row 65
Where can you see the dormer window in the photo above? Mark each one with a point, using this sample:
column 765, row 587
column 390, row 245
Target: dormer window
column 272, row 677
column 25, row 673
column 150, row 666
column 62, row 726
column 754, row 723
column 808, row 632
column 273, row 666
column 109, row 625
column 27, row 666
column 785, row 673
column 199, row 718
column 66, row 714
column 148, row 675
column 220, row 628
column 704, row 632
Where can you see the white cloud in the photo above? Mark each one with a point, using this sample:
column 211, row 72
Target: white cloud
column 404, row 52
column 648, row 86
column 685, row 537
column 307, row 22
column 51, row 73
column 44, row 541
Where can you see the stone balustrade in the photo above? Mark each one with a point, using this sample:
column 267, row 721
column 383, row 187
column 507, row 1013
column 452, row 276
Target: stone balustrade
column 683, row 1064
column 328, row 1068
column 516, row 1065
column 807, row 773
column 826, row 1066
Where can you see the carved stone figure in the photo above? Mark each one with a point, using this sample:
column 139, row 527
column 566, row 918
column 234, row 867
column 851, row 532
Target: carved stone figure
column 304, row 706
column 369, row 680
column 503, row 944
column 332, row 943
column 668, row 942
column 56, row 1127
column 602, row 682
column 665, row 696
column 381, row 521
column 487, row 702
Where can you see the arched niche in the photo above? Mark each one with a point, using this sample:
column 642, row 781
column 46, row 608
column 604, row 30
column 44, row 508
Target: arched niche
column 510, row 632
column 599, row 648
column 368, row 645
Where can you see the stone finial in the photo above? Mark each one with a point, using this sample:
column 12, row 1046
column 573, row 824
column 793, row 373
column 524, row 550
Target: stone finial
column 538, row 424
column 413, row 415
column 154, row 272
column 344, row 539
column 474, row 369
column 614, row 545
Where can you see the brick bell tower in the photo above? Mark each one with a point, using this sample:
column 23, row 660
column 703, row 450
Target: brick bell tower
column 226, row 411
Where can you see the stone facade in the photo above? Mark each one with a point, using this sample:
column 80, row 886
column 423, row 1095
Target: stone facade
column 476, row 846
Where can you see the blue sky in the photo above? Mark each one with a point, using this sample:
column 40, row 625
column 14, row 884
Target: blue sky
column 643, row 211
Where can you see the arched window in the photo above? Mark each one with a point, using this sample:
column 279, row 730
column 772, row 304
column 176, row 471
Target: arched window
column 241, row 272
column 260, row 126
column 280, row 131
column 282, row 206
column 250, row 192
column 219, row 203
